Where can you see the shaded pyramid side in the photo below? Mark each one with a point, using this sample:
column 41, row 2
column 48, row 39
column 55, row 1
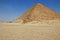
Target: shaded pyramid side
column 37, row 13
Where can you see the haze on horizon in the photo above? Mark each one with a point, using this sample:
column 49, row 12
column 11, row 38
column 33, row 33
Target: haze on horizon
column 12, row 9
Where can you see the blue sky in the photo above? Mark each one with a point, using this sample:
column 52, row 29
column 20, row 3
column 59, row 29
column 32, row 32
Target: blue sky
column 12, row 9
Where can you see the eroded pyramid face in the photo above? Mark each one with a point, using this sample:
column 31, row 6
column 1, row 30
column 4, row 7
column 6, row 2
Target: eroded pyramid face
column 37, row 13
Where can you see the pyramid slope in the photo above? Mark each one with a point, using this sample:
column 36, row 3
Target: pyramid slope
column 37, row 13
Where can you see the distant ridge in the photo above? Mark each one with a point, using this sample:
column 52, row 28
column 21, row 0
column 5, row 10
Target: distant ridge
column 38, row 12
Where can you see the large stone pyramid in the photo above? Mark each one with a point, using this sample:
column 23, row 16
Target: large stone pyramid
column 38, row 12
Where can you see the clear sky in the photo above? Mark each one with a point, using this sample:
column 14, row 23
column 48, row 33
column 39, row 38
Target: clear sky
column 12, row 9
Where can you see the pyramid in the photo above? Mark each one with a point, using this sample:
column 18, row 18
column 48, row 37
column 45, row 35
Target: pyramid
column 38, row 12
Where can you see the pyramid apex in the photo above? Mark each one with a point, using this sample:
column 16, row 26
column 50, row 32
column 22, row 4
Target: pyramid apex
column 38, row 4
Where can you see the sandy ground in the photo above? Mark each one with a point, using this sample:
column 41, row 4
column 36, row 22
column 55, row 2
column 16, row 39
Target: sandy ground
column 17, row 31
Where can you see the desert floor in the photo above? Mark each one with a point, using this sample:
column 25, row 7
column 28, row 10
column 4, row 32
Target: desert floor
column 16, row 31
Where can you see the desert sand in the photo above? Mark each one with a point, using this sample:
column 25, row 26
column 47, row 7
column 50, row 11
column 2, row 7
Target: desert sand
column 16, row 31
